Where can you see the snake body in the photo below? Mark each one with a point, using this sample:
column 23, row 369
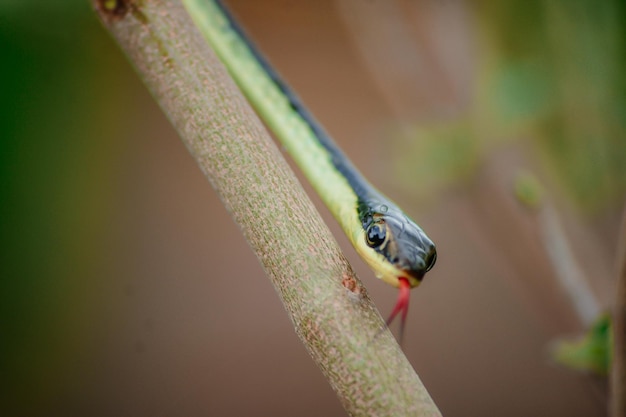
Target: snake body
column 394, row 246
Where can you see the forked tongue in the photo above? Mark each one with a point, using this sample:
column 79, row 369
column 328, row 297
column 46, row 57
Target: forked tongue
column 402, row 305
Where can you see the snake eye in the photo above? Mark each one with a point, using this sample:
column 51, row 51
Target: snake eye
column 375, row 235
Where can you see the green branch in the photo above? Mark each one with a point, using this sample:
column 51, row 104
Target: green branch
column 326, row 302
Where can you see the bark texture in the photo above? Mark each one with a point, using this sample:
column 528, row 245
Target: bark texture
column 328, row 305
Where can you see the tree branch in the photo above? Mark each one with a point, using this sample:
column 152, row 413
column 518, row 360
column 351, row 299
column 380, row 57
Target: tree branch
column 326, row 302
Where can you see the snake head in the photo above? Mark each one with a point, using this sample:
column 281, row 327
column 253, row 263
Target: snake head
column 403, row 249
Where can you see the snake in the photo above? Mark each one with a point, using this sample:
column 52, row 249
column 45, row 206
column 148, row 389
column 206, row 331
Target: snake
column 397, row 250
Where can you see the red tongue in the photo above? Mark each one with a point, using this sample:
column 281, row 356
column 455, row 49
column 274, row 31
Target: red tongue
column 402, row 305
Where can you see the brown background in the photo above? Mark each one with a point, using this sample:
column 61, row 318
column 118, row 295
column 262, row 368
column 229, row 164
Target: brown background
column 161, row 309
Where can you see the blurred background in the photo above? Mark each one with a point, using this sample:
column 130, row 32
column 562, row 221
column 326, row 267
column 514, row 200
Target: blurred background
column 126, row 289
